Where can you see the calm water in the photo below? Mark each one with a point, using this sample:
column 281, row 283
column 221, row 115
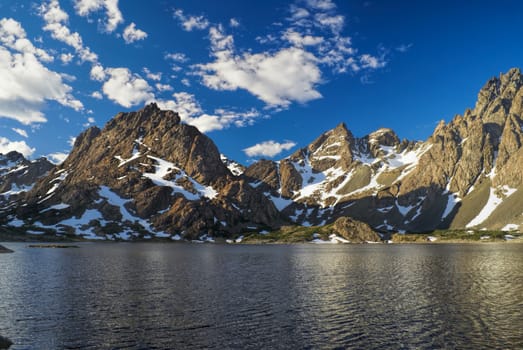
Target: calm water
column 178, row 296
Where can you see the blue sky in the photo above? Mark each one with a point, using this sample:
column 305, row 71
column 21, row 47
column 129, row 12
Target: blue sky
column 261, row 78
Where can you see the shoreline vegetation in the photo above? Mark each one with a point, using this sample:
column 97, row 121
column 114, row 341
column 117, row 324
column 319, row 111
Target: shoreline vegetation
column 290, row 235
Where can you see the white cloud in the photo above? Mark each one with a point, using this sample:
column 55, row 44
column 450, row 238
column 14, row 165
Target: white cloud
column 125, row 88
column 163, row 87
column 13, row 36
column 321, row 4
column 56, row 20
column 57, row 158
column 300, row 40
column 404, row 47
column 190, row 23
column 112, row 12
column 26, row 82
column 191, row 113
column 298, row 13
column 268, row 148
column 185, row 82
column 132, row 34
column 7, row 146
column 177, row 57
column 90, row 121
column 334, row 22
column 369, row 61
column 233, row 22
column 97, row 95
column 97, row 73
column 152, row 76
column 20, row 132
column 66, row 58
column 278, row 79
column 71, row 141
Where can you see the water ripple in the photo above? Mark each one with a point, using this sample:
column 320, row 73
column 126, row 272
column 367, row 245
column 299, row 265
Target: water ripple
column 152, row 296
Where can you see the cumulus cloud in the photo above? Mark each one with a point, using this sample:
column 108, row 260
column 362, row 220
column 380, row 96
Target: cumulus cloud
column 7, row 146
column 97, row 73
column 66, row 58
column 189, row 23
column 56, row 20
column 13, row 36
column 132, row 34
column 298, row 39
column 191, row 113
column 97, row 95
column 177, row 57
column 163, row 87
column 277, row 78
column 26, row 82
column 57, row 157
column 152, row 76
column 125, row 88
column 268, row 148
column 369, row 61
column 112, row 12
column 333, row 22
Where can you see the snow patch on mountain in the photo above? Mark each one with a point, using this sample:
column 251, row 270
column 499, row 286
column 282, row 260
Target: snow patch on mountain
column 165, row 168
column 496, row 197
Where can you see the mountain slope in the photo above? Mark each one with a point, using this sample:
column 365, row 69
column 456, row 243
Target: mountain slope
column 460, row 177
column 147, row 174
column 17, row 176
column 144, row 173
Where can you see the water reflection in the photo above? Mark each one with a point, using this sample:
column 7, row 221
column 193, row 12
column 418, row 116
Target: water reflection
column 301, row 296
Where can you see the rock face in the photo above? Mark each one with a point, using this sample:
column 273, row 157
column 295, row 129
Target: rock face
column 146, row 173
column 467, row 174
column 355, row 231
column 18, row 175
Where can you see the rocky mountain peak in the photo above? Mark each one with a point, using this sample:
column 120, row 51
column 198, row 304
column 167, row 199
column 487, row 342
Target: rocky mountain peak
column 496, row 97
column 384, row 137
column 11, row 158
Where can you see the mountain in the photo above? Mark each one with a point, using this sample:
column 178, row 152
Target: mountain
column 468, row 174
column 147, row 174
column 17, row 176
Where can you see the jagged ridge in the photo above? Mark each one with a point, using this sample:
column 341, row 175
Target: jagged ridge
column 147, row 173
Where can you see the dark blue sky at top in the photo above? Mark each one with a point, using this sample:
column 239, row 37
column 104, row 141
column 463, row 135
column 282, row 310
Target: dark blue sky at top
column 436, row 56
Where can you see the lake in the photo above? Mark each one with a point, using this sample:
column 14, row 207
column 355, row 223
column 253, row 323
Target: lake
column 205, row 296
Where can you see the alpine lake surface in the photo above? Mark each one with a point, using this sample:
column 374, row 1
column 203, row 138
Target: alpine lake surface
column 304, row 296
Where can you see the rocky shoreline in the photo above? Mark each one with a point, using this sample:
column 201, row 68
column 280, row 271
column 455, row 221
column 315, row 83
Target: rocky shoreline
column 5, row 250
column 5, row 343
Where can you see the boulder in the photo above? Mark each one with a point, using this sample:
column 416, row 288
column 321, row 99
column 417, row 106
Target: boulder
column 5, row 343
column 355, row 231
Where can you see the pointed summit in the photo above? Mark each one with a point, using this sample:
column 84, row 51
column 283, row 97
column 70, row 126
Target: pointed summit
column 384, row 137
